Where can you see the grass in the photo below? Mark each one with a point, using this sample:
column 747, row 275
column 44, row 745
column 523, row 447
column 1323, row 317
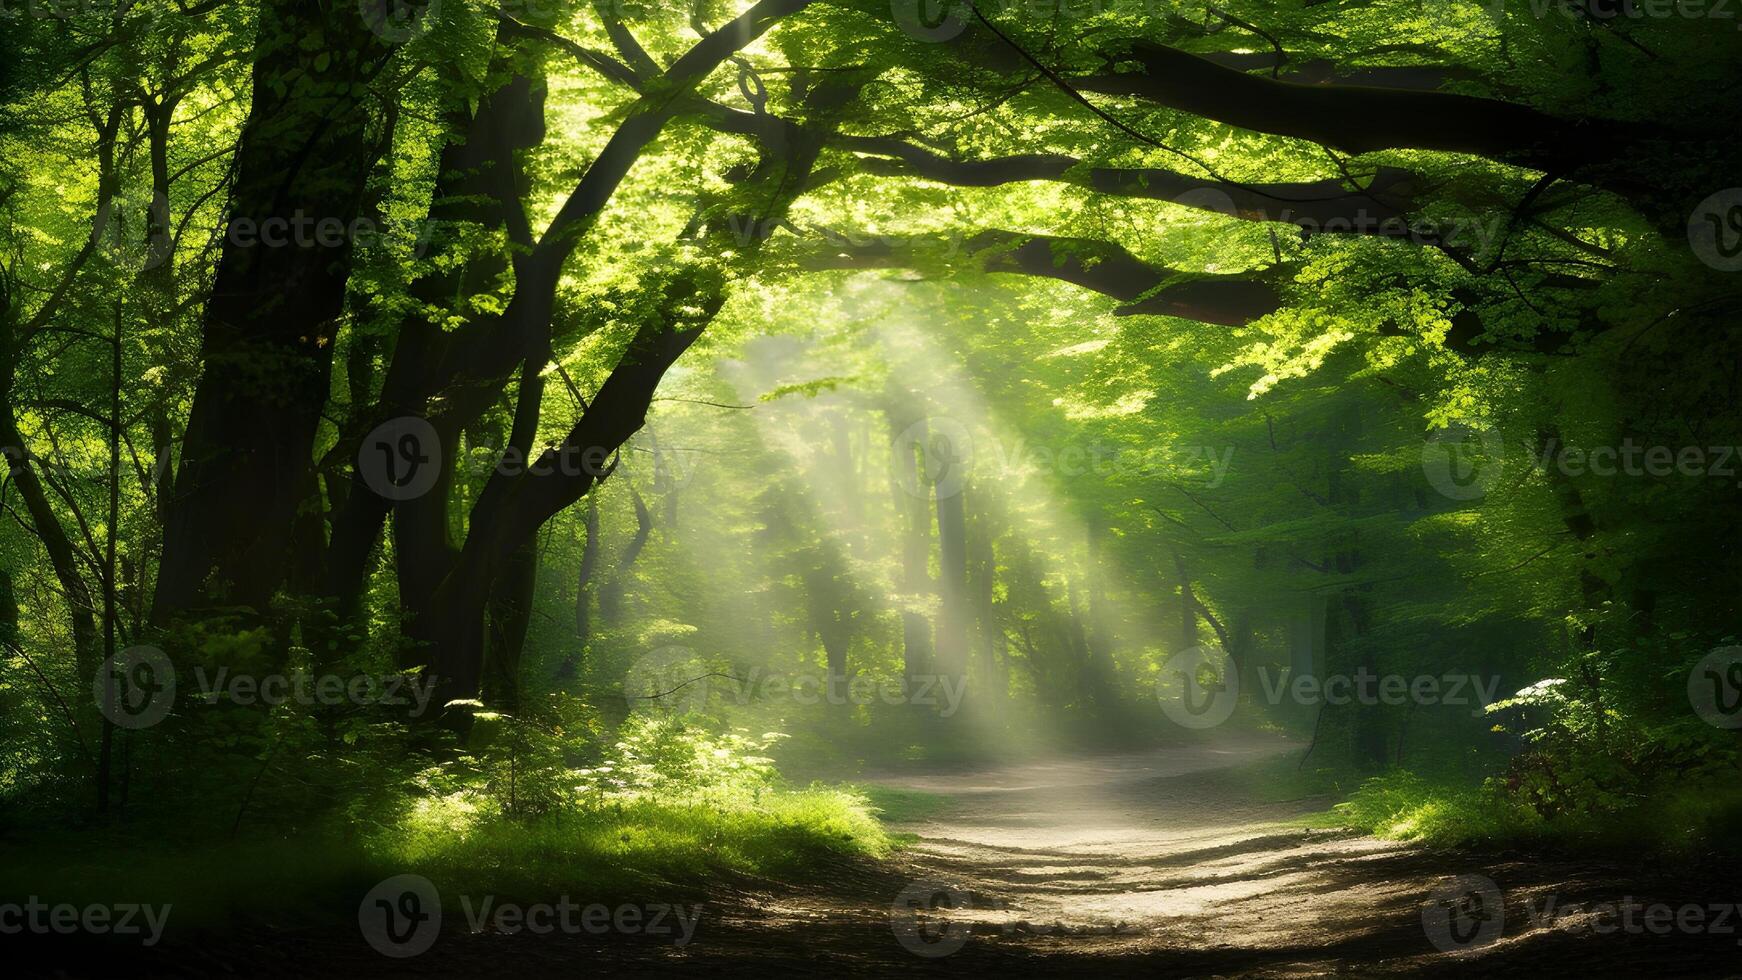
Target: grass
column 638, row 850
column 1689, row 824
column 895, row 805
column 619, row 849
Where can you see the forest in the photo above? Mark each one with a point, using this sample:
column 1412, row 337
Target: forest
column 1153, row 487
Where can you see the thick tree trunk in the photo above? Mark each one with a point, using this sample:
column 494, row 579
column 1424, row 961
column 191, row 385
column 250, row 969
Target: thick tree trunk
column 269, row 324
column 512, row 508
column 477, row 187
column 511, row 600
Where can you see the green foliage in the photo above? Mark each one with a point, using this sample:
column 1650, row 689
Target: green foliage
column 1132, row 484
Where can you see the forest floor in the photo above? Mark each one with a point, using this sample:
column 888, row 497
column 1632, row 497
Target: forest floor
column 1169, row 863
column 1161, row 863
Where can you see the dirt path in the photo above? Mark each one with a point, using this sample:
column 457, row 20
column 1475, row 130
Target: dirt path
column 1160, row 864
column 1156, row 864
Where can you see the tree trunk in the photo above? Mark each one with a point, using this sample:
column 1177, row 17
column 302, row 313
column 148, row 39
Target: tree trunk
column 983, row 573
column 475, row 187
column 611, row 595
column 81, row 613
column 953, row 611
column 584, row 592
column 907, row 489
column 269, row 324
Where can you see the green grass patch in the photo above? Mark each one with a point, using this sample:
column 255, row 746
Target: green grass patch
column 895, row 805
column 633, row 850
column 637, row 844
column 1687, row 824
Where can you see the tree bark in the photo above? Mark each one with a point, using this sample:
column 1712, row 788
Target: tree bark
column 273, row 311
column 611, row 595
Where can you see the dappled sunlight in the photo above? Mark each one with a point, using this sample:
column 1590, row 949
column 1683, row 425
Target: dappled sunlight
column 773, row 488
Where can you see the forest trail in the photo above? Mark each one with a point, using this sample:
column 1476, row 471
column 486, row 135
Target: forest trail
column 1162, row 863
column 1167, row 863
